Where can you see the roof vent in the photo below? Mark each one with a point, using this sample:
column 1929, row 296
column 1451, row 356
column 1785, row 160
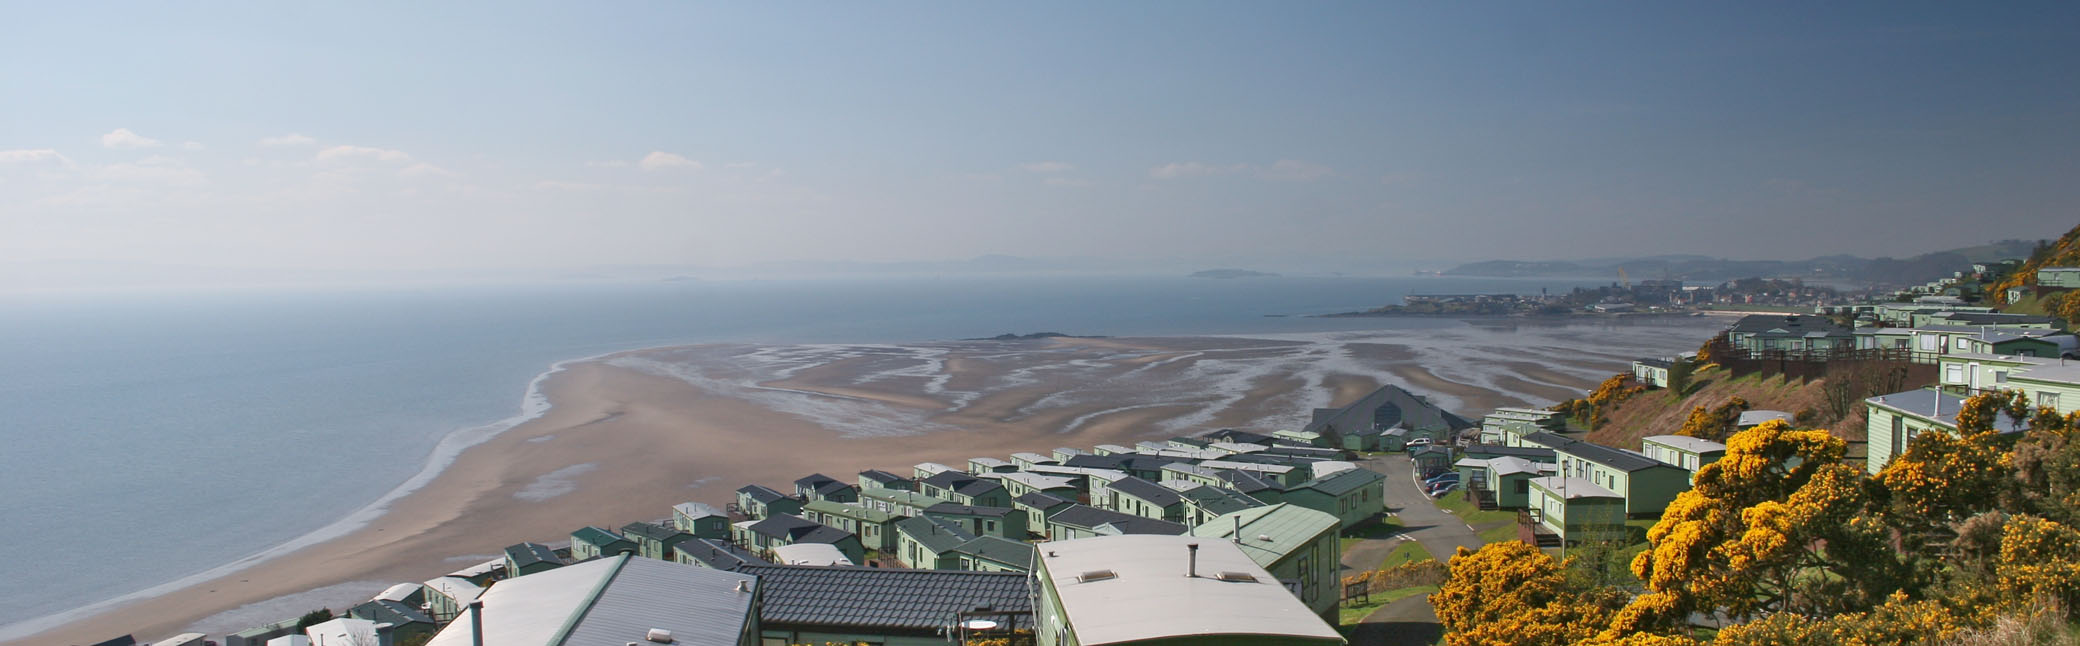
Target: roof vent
column 743, row 585
column 1264, row 537
column 1096, row 575
column 659, row 635
column 1238, row 577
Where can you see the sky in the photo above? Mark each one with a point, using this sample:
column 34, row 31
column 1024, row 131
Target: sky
column 488, row 135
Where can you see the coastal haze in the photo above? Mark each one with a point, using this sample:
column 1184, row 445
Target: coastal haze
column 623, row 436
column 244, row 426
column 298, row 302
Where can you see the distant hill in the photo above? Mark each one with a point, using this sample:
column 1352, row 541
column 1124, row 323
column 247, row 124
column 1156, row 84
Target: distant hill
column 1232, row 273
column 1897, row 271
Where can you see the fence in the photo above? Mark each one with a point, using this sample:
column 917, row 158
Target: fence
column 1807, row 365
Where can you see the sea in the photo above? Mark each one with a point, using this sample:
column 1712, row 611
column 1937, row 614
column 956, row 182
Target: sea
column 155, row 437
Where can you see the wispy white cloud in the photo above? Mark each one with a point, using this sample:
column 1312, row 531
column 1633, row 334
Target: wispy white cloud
column 1285, row 170
column 423, row 169
column 660, row 160
column 337, row 153
column 33, row 155
column 1180, row 170
column 291, row 139
column 193, row 145
column 1047, row 167
column 152, row 170
column 557, row 185
column 1294, row 170
column 124, row 138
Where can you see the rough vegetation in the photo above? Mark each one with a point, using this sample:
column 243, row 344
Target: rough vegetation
column 1967, row 538
column 2063, row 252
column 1714, row 390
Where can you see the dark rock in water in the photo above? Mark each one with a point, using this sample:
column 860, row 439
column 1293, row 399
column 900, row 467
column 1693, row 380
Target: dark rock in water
column 1232, row 273
column 1031, row 337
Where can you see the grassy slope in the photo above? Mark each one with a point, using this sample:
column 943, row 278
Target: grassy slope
column 1659, row 412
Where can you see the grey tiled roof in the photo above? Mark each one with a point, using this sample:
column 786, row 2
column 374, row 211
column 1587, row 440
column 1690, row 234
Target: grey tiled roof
column 1246, row 482
column 883, row 600
column 1219, row 500
column 883, row 477
column 652, row 531
column 956, row 509
column 797, row 529
column 1498, row 450
column 1039, row 500
column 1343, row 482
column 1087, row 517
column 1598, row 453
column 934, row 534
column 596, row 536
column 1792, row 325
column 1001, row 550
column 525, row 554
column 1094, row 461
column 389, row 612
column 948, row 479
column 813, row 481
column 1244, row 437
column 762, row 493
column 1140, row 525
column 1156, row 494
column 977, row 488
column 719, row 554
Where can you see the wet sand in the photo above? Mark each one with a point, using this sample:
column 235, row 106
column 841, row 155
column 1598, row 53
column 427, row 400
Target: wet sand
column 630, row 435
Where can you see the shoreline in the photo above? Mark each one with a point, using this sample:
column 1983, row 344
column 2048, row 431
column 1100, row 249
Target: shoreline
column 465, row 498
column 533, row 405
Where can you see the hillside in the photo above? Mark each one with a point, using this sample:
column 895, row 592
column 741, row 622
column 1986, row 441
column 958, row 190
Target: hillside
column 1659, row 412
column 2063, row 252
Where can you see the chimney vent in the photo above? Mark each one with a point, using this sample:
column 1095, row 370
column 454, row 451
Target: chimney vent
column 1192, row 563
column 659, row 635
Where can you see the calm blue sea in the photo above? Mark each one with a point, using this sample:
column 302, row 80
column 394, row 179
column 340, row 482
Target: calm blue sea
column 149, row 437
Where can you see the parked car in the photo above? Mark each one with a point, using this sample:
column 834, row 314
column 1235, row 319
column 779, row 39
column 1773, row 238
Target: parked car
column 1443, row 489
column 1448, row 476
column 1421, row 441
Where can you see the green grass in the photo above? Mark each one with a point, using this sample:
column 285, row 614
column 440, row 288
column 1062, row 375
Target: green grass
column 1466, row 511
column 1376, row 527
column 1406, row 552
column 1499, row 534
column 1354, row 613
column 2026, row 305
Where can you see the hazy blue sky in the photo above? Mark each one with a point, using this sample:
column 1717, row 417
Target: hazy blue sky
column 445, row 135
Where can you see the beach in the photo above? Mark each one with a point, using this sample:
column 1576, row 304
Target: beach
column 628, row 435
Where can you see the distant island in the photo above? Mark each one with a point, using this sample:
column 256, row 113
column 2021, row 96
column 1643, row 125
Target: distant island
column 1232, row 273
column 1007, row 336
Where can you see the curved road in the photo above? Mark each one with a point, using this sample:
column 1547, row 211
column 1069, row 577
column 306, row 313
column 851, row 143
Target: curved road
column 1407, row 621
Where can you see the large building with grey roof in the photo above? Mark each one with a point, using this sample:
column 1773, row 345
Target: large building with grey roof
column 893, row 607
column 1178, row 590
column 616, row 600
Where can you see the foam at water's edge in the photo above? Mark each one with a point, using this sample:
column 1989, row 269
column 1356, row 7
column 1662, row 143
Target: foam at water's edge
column 533, row 405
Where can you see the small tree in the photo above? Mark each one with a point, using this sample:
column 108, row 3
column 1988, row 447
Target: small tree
column 1679, row 374
column 314, row 618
